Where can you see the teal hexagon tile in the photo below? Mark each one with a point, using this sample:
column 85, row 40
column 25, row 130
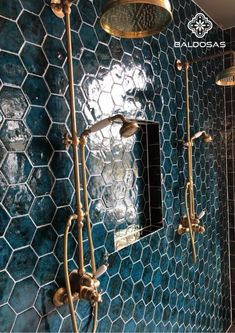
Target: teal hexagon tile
column 18, row 200
column 12, row 102
column 66, row 187
column 4, row 218
column 84, row 9
column 89, row 62
column 75, row 18
column 127, row 288
column 54, row 51
column 56, row 80
column 130, row 326
column 42, row 277
column 10, row 10
column 39, row 151
column 10, row 29
column 3, row 186
column 56, row 136
column 117, row 325
column 47, row 236
column 38, row 121
column 20, row 298
column 61, row 165
column 104, row 325
column 12, row 69
column 36, row 90
column 33, row 7
column 16, row 168
column 7, row 312
column 54, row 26
column 27, row 321
column 57, row 108
column 71, row 247
column 34, row 59
column 14, row 135
column 41, row 181
column 62, row 214
column 20, row 232
column 44, row 298
column 22, row 263
column 31, row 28
column 114, row 286
column 6, row 285
column 88, row 36
column 37, row 212
column 103, row 55
column 51, row 323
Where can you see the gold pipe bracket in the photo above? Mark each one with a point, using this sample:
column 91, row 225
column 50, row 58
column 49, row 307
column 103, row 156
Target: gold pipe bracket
column 60, row 7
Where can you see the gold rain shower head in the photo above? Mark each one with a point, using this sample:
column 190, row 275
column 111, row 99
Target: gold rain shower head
column 226, row 78
column 135, row 18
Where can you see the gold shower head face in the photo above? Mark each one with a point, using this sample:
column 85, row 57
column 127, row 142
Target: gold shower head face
column 207, row 138
column 226, row 78
column 136, row 18
column 129, row 128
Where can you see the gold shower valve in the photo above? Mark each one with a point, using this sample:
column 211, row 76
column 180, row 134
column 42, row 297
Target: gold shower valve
column 82, row 287
column 184, row 228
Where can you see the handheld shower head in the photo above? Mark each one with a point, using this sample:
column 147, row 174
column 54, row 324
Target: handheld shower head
column 206, row 137
column 128, row 128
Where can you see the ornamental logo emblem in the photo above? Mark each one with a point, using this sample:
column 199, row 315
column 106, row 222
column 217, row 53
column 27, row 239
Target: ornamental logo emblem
column 200, row 25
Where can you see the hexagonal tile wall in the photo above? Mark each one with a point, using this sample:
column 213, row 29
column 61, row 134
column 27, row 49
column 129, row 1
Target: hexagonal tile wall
column 151, row 285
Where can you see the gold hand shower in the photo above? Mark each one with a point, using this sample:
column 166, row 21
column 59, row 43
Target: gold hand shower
column 190, row 222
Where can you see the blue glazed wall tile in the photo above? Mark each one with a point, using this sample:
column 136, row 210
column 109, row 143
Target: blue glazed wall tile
column 13, row 103
column 34, row 59
column 10, row 29
column 12, row 70
column 21, row 299
column 31, row 28
column 151, row 285
column 26, row 321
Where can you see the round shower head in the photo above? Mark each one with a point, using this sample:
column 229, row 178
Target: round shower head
column 226, row 77
column 135, row 18
column 128, row 128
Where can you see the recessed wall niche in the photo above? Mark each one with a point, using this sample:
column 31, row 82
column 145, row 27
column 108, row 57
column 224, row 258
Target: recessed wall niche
column 140, row 211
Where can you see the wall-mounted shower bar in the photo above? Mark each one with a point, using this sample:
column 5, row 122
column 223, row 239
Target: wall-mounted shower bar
column 182, row 64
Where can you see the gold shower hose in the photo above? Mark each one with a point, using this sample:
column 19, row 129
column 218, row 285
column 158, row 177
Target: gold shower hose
column 187, row 189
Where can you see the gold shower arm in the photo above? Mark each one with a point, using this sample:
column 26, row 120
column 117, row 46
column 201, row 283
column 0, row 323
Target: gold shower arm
column 182, row 64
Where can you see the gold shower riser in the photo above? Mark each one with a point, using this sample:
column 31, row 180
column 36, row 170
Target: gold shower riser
column 190, row 222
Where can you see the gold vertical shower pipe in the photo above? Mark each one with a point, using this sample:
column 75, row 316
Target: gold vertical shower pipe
column 75, row 140
column 79, row 283
column 190, row 211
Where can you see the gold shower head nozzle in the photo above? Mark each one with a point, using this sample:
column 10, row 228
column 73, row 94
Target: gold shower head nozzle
column 135, row 18
column 128, row 128
column 207, row 138
column 226, row 78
